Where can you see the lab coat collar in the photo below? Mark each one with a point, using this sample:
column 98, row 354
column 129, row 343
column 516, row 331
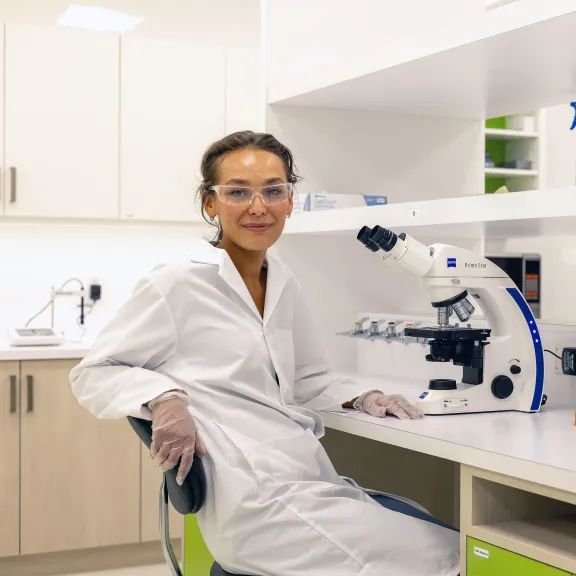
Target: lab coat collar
column 205, row 253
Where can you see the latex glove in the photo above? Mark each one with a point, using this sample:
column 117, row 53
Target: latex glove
column 378, row 404
column 174, row 434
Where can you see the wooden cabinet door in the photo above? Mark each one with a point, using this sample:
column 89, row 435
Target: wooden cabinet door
column 80, row 476
column 61, row 122
column 9, row 455
column 151, row 481
column 173, row 107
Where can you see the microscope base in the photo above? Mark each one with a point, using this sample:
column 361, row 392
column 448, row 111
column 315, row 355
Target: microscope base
column 471, row 399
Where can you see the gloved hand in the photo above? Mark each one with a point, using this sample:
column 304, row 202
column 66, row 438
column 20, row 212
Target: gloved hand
column 378, row 404
column 174, row 434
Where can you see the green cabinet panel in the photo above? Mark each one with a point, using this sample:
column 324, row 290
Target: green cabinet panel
column 486, row 560
column 197, row 558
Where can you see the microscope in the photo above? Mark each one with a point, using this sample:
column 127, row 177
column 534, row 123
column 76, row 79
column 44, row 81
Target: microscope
column 503, row 366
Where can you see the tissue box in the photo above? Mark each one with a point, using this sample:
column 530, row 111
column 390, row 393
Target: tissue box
column 301, row 203
column 326, row 201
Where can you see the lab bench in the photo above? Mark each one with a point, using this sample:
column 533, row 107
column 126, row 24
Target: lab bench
column 513, row 487
column 515, row 480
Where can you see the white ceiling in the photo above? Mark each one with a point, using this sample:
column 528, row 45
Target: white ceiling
column 223, row 22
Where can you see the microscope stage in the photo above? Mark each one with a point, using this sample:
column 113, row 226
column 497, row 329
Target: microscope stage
column 448, row 333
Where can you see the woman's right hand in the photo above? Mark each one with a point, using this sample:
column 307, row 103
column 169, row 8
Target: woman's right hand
column 174, row 434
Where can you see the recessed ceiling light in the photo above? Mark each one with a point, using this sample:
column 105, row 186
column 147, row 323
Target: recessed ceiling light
column 98, row 19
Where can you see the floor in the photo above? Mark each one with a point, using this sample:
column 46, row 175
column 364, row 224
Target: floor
column 158, row 570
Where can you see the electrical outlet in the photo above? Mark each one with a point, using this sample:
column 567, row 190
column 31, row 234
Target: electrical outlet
column 558, row 362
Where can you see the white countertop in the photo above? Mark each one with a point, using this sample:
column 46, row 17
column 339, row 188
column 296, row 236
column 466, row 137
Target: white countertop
column 68, row 350
column 537, row 447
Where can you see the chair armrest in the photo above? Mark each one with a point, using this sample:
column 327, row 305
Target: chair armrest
column 188, row 498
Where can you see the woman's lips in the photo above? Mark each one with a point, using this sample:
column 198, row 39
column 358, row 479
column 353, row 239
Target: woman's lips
column 257, row 227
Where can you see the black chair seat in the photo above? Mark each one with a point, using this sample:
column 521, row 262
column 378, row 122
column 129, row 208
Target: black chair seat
column 217, row 570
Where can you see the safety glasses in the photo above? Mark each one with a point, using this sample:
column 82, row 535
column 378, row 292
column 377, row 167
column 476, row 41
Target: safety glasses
column 244, row 195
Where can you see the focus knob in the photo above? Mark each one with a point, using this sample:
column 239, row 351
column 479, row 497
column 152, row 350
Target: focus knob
column 502, row 387
column 515, row 370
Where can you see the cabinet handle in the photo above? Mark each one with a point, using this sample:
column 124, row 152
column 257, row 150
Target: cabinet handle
column 30, row 399
column 12, row 172
column 13, row 389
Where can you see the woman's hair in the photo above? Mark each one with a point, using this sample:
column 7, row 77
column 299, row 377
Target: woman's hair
column 238, row 141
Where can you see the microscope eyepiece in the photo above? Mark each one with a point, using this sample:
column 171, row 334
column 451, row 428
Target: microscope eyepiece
column 364, row 237
column 384, row 238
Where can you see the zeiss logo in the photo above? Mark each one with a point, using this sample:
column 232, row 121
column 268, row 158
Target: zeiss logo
column 451, row 263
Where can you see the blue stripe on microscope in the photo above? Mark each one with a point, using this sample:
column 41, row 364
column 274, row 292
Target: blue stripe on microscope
column 536, row 340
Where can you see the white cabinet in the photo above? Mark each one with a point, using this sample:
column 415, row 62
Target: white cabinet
column 173, row 106
column 3, row 198
column 61, row 123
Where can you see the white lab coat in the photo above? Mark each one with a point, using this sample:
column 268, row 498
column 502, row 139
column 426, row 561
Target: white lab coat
column 275, row 504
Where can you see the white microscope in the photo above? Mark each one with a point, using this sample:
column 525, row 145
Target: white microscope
column 503, row 367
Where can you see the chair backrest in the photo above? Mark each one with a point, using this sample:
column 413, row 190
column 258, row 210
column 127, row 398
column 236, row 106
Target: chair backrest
column 188, row 498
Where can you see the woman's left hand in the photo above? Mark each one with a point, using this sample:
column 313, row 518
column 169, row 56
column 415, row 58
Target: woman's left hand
column 379, row 405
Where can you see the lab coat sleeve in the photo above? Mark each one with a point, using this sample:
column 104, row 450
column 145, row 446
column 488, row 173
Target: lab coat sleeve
column 316, row 384
column 118, row 376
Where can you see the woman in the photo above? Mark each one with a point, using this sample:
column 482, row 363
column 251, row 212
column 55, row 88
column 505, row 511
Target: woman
column 219, row 353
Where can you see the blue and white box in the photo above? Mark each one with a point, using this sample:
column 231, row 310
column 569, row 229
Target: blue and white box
column 325, row 201
column 301, row 203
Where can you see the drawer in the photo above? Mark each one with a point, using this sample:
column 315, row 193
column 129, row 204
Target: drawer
column 486, row 560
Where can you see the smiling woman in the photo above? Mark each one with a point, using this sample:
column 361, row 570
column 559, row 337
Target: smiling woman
column 221, row 352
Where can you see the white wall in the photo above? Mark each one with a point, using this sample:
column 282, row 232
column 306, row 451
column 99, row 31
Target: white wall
column 339, row 277
column 35, row 256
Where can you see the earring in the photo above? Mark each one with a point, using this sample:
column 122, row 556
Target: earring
column 288, row 215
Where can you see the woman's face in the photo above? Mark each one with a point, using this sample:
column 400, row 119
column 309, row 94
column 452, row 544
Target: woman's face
column 259, row 225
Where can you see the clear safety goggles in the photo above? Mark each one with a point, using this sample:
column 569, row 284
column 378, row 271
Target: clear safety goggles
column 244, row 195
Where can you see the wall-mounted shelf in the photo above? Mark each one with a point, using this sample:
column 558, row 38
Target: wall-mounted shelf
column 508, row 173
column 520, row 57
column 507, row 135
column 533, row 213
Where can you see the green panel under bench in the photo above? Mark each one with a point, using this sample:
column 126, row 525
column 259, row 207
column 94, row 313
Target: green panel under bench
column 486, row 560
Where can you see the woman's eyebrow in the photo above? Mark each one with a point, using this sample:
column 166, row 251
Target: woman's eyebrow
column 238, row 182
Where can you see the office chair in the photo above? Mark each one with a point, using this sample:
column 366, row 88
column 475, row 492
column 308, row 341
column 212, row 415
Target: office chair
column 186, row 499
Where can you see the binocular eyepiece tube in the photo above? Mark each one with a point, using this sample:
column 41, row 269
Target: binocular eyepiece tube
column 377, row 238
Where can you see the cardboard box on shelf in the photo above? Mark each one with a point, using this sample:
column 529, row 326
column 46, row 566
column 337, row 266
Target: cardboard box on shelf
column 325, row 201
